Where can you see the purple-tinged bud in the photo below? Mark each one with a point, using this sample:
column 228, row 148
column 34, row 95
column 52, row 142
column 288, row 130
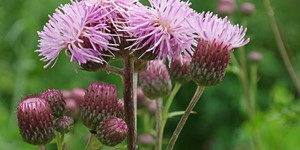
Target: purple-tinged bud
column 35, row 120
column 101, row 103
column 226, row 7
column 151, row 106
column 56, row 100
column 141, row 98
column 255, row 56
column 248, row 8
column 209, row 63
column 72, row 108
column 66, row 93
column 146, row 139
column 180, row 69
column 121, row 109
column 64, row 124
column 78, row 95
column 112, row 131
column 155, row 80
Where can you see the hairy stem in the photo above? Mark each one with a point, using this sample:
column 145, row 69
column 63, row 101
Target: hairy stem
column 129, row 102
column 185, row 116
column 159, row 108
column 59, row 141
column 281, row 46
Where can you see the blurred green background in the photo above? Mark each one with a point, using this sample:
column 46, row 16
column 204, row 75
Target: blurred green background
column 221, row 122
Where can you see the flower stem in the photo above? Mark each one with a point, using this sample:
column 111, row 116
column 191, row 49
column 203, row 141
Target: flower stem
column 159, row 121
column 253, row 87
column 59, row 141
column 253, row 84
column 42, row 147
column 281, row 46
column 93, row 143
column 129, row 102
column 170, row 100
column 166, row 110
column 185, row 116
column 113, row 69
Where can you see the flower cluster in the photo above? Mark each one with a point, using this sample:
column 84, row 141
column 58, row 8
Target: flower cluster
column 90, row 32
column 36, row 117
column 103, row 113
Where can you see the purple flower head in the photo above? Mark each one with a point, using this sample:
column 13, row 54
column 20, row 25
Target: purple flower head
column 217, row 38
column 116, row 10
column 219, row 31
column 161, row 29
column 78, row 29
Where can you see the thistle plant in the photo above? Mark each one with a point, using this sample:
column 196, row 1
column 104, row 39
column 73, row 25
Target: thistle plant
column 196, row 46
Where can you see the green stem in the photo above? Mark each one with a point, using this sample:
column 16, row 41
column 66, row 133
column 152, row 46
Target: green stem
column 113, row 69
column 185, row 116
column 93, row 143
column 42, row 147
column 170, row 100
column 166, row 109
column 159, row 121
column 281, row 46
column 253, row 84
column 59, row 141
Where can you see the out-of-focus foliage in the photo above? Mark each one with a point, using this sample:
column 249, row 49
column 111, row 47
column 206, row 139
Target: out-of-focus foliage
column 221, row 121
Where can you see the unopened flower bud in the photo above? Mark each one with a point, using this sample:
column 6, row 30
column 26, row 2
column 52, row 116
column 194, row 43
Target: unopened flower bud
column 226, row 7
column 78, row 95
column 141, row 98
column 180, row 69
column 56, row 100
column 248, row 8
column 146, row 139
column 209, row 63
column 100, row 103
column 35, row 121
column 121, row 109
column 155, row 80
column 255, row 56
column 112, row 131
column 66, row 93
column 72, row 108
column 64, row 124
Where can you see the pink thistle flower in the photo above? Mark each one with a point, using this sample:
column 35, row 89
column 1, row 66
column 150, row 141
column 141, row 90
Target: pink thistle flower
column 216, row 30
column 161, row 29
column 116, row 18
column 77, row 28
column 217, row 38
